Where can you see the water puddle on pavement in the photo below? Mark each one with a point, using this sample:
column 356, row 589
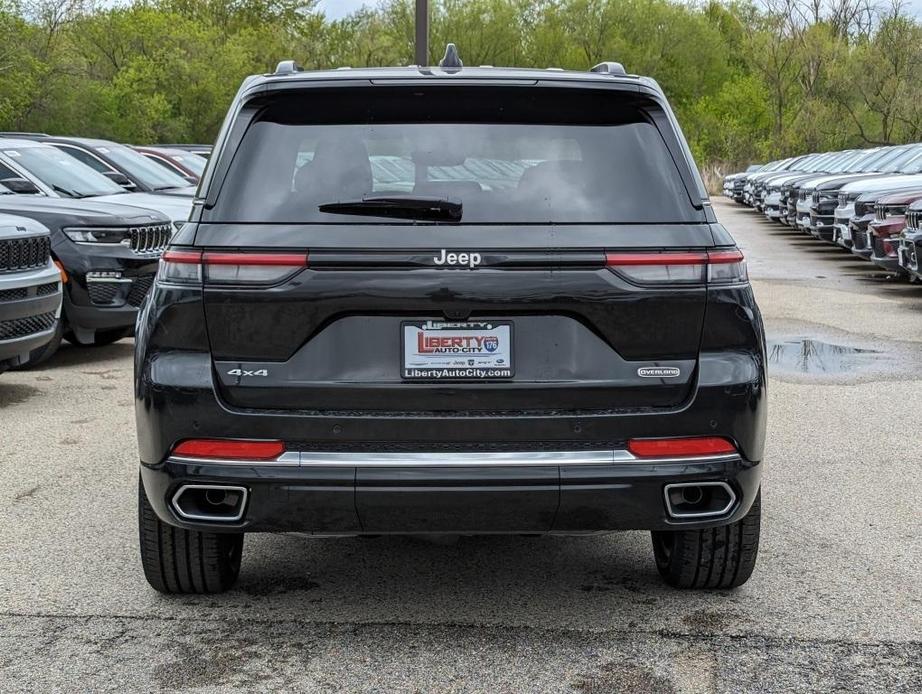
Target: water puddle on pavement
column 807, row 356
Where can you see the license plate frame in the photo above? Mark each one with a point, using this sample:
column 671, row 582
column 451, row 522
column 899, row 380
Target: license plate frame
column 464, row 357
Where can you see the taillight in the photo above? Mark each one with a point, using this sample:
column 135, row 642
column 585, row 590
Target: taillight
column 180, row 267
column 245, row 268
column 230, row 449
column 680, row 447
column 192, row 267
column 682, row 267
column 658, row 268
column 727, row 267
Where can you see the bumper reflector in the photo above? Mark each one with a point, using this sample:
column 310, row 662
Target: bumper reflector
column 671, row 448
column 230, row 449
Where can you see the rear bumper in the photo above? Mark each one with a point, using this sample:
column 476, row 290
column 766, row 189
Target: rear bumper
column 542, row 491
column 551, row 492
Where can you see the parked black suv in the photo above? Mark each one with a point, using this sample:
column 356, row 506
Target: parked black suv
column 108, row 253
column 450, row 300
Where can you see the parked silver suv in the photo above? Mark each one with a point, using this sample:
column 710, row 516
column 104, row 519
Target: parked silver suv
column 30, row 290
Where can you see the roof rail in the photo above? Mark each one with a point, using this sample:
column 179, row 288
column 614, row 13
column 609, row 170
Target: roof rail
column 609, row 68
column 287, row 67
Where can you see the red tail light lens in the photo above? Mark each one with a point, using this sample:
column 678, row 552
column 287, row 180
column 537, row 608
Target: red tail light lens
column 727, row 267
column 660, row 268
column 190, row 267
column 180, row 267
column 685, row 267
column 250, row 268
column 230, row 449
column 676, row 448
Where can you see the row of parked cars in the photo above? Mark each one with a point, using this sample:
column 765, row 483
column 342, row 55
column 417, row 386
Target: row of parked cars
column 866, row 200
column 83, row 223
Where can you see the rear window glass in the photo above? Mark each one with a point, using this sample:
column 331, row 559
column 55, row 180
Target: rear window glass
column 507, row 159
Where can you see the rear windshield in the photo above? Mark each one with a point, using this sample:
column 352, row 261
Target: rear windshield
column 507, row 158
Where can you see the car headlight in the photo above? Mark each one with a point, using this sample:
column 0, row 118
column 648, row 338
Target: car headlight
column 177, row 225
column 99, row 235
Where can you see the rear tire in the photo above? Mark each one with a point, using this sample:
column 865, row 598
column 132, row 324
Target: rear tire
column 185, row 561
column 721, row 557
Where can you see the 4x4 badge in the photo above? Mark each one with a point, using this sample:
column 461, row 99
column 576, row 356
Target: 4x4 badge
column 659, row 371
column 244, row 372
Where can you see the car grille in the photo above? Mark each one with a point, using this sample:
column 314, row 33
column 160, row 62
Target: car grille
column 815, row 197
column 802, row 195
column 880, row 213
column 24, row 254
column 103, row 293
column 139, row 289
column 843, row 199
column 21, row 293
column 113, row 293
column 913, row 217
column 148, row 240
column 23, row 327
column 14, row 294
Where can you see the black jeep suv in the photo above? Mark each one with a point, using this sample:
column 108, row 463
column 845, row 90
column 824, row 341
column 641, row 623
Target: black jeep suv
column 107, row 254
column 450, row 300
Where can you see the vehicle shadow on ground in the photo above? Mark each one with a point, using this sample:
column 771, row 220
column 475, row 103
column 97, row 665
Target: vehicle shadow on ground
column 554, row 580
column 16, row 393
column 70, row 355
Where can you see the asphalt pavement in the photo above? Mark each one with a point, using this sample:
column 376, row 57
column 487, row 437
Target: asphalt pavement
column 835, row 603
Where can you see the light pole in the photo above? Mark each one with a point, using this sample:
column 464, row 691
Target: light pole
column 422, row 32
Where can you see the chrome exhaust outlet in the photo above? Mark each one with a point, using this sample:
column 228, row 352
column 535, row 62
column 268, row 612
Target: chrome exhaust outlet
column 687, row 500
column 210, row 502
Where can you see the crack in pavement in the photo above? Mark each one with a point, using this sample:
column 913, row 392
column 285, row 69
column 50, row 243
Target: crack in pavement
column 330, row 624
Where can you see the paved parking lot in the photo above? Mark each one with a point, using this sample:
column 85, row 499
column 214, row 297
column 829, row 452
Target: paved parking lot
column 835, row 602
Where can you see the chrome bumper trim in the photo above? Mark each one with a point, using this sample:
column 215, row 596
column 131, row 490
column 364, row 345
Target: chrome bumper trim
column 328, row 459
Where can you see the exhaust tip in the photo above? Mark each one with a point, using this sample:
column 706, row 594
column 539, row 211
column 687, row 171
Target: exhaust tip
column 210, row 502
column 688, row 500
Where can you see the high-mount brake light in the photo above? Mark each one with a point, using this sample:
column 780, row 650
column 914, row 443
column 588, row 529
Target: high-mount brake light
column 230, row 449
column 191, row 267
column 680, row 447
column 681, row 267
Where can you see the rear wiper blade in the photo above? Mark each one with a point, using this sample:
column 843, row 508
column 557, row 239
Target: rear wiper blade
column 399, row 206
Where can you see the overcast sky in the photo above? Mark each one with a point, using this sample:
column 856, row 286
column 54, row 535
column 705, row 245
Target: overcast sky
column 335, row 9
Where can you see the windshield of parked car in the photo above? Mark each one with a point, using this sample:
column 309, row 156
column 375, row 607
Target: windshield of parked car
column 149, row 173
column 814, row 162
column 193, row 162
column 837, row 162
column 885, row 158
column 913, row 164
column 900, row 163
column 61, row 172
column 519, row 159
column 863, row 159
